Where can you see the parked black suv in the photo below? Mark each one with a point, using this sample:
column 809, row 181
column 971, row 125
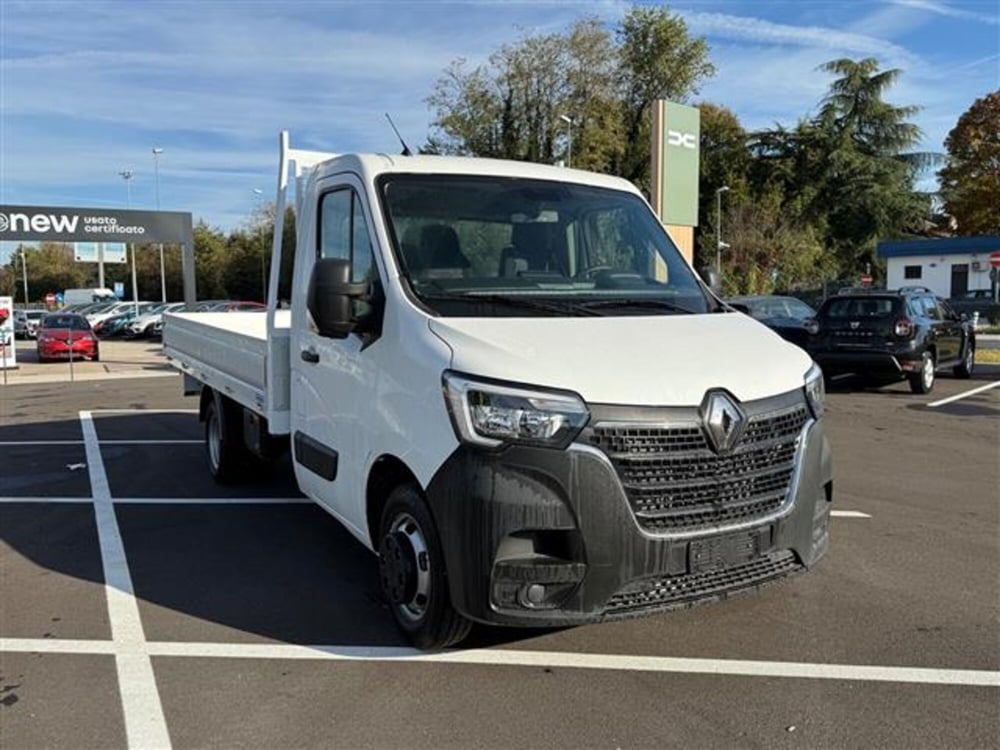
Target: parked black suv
column 887, row 335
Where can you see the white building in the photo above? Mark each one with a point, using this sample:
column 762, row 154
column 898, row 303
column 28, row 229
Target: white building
column 949, row 267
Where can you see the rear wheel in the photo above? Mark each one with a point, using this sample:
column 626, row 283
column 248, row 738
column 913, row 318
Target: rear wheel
column 97, row 355
column 965, row 369
column 228, row 460
column 923, row 380
column 412, row 573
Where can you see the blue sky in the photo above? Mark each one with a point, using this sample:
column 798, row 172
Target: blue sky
column 87, row 89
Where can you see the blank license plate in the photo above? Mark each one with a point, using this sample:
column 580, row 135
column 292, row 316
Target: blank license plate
column 726, row 551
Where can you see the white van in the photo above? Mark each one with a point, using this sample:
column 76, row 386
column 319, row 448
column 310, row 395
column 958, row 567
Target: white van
column 93, row 294
column 505, row 380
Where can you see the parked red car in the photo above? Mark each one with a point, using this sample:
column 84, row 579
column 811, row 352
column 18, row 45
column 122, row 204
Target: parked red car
column 61, row 334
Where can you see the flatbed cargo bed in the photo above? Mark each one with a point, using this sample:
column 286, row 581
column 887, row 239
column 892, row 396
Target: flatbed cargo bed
column 229, row 351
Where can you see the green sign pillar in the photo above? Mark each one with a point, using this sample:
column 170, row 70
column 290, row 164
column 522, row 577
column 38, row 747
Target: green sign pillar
column 676, row 143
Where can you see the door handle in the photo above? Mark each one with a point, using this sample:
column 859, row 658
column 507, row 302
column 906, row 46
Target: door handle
column 310, row 356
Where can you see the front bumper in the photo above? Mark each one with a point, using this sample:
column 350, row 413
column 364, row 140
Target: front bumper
column 541, row 537
column 59, row 349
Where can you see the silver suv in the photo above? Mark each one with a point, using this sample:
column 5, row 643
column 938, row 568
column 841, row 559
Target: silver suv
column 26, row 323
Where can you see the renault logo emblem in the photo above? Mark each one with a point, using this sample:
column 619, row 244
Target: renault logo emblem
column 724, row 420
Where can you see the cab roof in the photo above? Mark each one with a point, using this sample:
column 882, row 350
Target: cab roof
column 375, row 165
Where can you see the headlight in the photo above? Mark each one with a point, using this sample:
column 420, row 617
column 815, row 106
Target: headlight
column 490, row 414
column 815, row 391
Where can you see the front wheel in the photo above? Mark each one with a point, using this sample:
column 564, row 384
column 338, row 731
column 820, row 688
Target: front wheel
column 965, row 369
column 412, row 573
column 923, row 380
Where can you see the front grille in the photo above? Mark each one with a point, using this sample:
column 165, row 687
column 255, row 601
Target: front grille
column 651, row 593
column 675, row 481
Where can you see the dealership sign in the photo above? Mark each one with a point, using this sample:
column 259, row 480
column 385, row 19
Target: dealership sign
column 53, row 223
column 676, row 131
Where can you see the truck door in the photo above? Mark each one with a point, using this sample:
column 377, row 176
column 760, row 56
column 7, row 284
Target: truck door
column 333, row 380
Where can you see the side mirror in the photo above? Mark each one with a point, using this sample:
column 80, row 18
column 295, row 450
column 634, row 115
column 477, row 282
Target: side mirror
column 712, row 278
column 331, row 296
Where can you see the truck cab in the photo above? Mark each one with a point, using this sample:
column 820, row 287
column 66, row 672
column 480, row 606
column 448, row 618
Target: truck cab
column 506, row 381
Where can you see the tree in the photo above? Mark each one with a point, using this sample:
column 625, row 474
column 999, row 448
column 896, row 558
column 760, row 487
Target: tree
column 209, row 261
column 770, row 249
column 849, row 172
column 970, row 182
column 658, row 59
column 724, row 162
column 514, row 105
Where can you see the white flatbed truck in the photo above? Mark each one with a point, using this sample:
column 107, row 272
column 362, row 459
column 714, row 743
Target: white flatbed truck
column 505, row 380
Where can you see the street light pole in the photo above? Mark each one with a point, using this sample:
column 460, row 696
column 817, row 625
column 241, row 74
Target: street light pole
column 127, row 175
column 718, row 229
column 24, row 272
column 570, row 122
column 258, row 194
column 156, row 172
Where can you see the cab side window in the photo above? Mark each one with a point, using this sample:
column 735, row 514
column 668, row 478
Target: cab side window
column 343, row 233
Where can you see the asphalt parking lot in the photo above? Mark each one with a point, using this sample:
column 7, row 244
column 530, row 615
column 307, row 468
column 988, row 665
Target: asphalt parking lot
column 142, row 606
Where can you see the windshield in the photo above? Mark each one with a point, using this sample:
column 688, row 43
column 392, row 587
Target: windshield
column 500, row 246
column 861, row 307
column 70, row 322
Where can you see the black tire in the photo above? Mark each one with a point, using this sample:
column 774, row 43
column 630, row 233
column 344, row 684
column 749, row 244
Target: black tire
column 227, row 457
column 97, row 355
column 968, row 365
column 923, row 381
column 414, row 580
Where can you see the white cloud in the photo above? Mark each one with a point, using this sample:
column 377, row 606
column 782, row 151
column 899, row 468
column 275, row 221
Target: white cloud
column 951, row 11
column 761, row 31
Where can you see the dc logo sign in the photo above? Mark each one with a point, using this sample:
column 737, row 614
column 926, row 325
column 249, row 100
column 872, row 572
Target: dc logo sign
column 684, row 140
column 4, row 223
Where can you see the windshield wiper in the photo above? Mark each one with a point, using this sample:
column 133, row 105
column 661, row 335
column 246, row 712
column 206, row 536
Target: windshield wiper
column 660, row 304
column 530, row 303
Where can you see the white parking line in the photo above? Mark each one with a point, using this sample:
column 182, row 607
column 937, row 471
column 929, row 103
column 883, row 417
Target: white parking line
column 145, row 725
column 167, row 500
column 214, row 501
column 41, row 500
column 18, row 443
column 964, row 394
column 151, row 442
column 516, row 658
column 848, row 514
column 143, row 411
column 55, row 646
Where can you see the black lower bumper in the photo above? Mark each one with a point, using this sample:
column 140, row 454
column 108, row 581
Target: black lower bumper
column 536, row 537
column 882, row 364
